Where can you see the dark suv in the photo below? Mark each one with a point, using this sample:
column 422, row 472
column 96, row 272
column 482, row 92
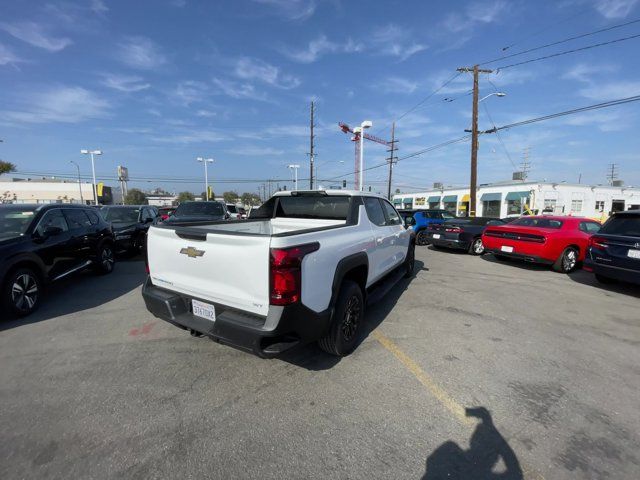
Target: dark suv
column 40, row 244
column 130, row 224
column 614, row 252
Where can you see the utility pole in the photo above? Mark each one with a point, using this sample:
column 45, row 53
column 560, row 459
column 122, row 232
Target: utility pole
column 613, row 173
column 391, row 158
column 525, row 166
column 474, row 137
column 311, row 146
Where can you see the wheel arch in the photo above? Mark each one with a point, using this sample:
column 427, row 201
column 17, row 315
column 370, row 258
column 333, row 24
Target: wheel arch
column 353, row 267
column 24, row 261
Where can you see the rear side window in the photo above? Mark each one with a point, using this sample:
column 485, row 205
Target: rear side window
column 374, row 211
column 76, row 218
column 629, row 226
column 590, row 227
column 537, row 222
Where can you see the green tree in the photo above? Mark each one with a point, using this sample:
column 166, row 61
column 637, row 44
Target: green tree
column 230, row 197
column 186, row 197
column 6, row 167
column 251, row 199
column 135, row 197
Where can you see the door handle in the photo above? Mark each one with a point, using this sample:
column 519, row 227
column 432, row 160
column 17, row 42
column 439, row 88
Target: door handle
column 379, row 240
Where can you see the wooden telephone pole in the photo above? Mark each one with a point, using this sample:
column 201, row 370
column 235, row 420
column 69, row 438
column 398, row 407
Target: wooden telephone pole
column 391, row 158
column 311, row 147
column 474, row 137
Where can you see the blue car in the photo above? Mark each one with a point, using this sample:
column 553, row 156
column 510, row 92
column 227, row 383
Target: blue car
column 614, row 252
column 419, row 221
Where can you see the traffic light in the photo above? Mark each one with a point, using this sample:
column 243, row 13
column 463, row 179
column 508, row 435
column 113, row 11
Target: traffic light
column 344, row 184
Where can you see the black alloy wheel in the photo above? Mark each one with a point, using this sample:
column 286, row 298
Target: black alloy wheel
column 22, row 292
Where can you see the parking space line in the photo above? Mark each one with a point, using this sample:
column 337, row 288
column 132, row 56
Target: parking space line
column 442, row 396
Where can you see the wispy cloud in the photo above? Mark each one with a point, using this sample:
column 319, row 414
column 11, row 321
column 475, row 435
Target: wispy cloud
column 61, row 104
column 253, row 69
column 98, row 6
column 611, row 90
column 192, row 136
column 583, row 72
column 463, row 23
column 125, row 83
column 140, row 52
column 206, row 113
column 254, row 151
column 291, row 9
column 37, row 35
column 7, row 57
column 189, row 92
column 320, row 47
column 239, row 90
column 396, row 41
column 396, row 85
column 615, row 8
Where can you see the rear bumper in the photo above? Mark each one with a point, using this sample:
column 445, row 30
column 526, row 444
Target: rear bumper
column 613, row 272
column 282, row 329
column 521, row 256
column 449, row 242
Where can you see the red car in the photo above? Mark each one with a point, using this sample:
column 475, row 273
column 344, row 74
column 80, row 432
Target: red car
column 558, row 241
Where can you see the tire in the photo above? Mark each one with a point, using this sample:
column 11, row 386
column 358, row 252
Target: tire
column 422, row 238
column 605, row 280
column 105, row 259
column 567, row 261
column 347, row 322
column 409, row 263
column 476, row 247
column 22, row 292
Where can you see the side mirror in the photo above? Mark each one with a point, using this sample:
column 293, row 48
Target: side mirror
column 409, row 221
column 51, row 231
column 148, row 220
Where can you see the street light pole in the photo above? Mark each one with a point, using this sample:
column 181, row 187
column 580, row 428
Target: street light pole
column 206, row 178
column 295, row 168
column 79, row 183
column 93, row 170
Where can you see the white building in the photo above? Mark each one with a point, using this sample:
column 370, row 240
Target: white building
column 18, row 190
column 502, row 199
column 161, row 200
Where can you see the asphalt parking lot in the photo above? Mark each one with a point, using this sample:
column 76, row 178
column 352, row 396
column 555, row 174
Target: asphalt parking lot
column 515, row 370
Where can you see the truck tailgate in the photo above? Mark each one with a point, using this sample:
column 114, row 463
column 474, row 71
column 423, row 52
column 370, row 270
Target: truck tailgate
column 229, row 269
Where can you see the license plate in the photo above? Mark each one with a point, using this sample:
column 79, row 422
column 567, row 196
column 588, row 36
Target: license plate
column 634, row 253
column 203, row 310
column 506, row 248
column 436, row 235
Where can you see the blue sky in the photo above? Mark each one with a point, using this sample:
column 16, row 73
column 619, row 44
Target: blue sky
column 157, row 83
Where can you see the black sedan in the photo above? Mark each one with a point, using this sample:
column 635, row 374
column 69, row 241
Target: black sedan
column 461, row 233
column 195, row 212
column 614, row 252
column 40, row 244
column 130, row 224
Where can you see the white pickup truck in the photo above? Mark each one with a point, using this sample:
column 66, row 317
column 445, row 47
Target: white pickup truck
column 300, row 269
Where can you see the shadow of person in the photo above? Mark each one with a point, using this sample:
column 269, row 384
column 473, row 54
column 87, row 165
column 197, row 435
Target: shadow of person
column 489, row 456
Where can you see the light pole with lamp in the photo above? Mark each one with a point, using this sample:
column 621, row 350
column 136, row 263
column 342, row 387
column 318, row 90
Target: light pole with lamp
column 206, row 178
column 93, row 170
column 79, row 183
column 295, row 168
column 360, row 131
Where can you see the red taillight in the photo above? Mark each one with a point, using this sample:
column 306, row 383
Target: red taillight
column 453, row 229
column 164, row 216
column 285, row 266
column 598, row 242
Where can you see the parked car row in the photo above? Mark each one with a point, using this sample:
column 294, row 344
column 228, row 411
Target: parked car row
column 611, row 251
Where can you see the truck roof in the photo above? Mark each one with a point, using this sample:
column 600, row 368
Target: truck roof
column 345, row 193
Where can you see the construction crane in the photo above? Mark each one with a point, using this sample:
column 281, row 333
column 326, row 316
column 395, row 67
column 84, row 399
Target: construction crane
column 356, row 139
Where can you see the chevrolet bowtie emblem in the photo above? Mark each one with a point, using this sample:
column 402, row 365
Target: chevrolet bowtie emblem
column 192, row 252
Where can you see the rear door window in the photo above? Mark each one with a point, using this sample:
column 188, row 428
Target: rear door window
column 76, row 218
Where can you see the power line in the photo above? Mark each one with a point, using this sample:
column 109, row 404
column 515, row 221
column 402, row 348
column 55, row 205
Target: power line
column 504, row 147
column 569, row 39
column 596, row 106
column 566, row 52
column 396, row 120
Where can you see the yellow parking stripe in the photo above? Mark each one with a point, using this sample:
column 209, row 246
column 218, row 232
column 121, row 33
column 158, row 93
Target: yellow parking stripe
column 442, row 396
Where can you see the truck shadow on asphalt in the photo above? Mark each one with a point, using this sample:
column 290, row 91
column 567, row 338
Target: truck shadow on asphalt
column 489, row 456
column 83, row 291
column 488, row 257
column 311, row 357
